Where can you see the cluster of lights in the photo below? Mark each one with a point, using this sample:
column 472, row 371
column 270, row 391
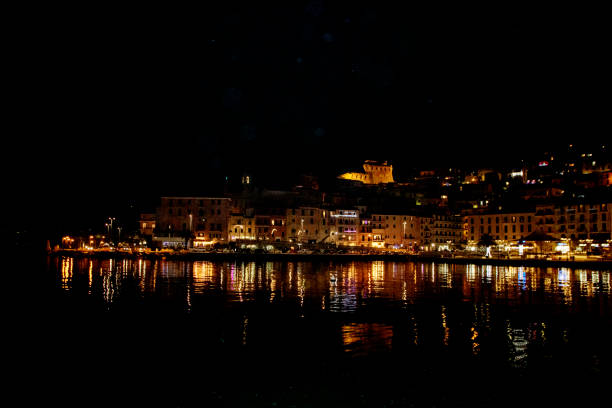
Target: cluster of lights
column 349, row 214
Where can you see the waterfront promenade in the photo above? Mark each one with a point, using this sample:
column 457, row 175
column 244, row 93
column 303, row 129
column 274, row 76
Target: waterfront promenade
column 336, row 257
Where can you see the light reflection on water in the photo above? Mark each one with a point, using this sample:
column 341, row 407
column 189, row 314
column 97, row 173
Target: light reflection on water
column 400, row 281
column 366, row 296
column 362, row 338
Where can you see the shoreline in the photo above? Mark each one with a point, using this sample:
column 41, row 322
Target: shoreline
column 270, row 257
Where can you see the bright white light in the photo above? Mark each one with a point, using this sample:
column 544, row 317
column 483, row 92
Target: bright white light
column 562, row 247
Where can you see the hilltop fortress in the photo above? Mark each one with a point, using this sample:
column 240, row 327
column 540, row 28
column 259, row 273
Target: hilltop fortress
column 374, row 173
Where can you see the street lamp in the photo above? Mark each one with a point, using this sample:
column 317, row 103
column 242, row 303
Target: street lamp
column 111, row 219
column 301, row 226
column 189, row 236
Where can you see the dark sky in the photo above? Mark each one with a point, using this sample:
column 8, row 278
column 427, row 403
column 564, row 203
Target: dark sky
column 114, row 105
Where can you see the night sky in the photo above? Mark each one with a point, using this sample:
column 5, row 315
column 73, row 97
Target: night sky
column 118, row 106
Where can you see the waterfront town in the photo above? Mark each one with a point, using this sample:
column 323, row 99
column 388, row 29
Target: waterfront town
column 309, row 204
column 558, row 206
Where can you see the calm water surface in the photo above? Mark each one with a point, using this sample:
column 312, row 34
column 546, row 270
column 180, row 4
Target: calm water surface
column 169, row 333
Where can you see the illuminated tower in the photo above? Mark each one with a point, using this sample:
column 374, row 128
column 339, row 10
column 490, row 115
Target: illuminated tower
column 374, row 173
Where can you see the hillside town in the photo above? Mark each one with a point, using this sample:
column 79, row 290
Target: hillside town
column 558, row 205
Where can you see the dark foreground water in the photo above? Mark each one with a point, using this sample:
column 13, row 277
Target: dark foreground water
column 182, row 334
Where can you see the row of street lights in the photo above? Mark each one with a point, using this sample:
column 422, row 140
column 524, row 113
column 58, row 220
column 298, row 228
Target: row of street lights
column 109, row 229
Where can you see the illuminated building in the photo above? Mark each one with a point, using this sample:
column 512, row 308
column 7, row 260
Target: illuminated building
column 575, row 221
column 242, row 227
column 374, row 173
column 446, row 230
column 308, row 224
column 501, row 226
column 270, row 224
column 365, row 235
column 205, row 219
column 344, row 227
column 398, row 230
column 147, row 224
